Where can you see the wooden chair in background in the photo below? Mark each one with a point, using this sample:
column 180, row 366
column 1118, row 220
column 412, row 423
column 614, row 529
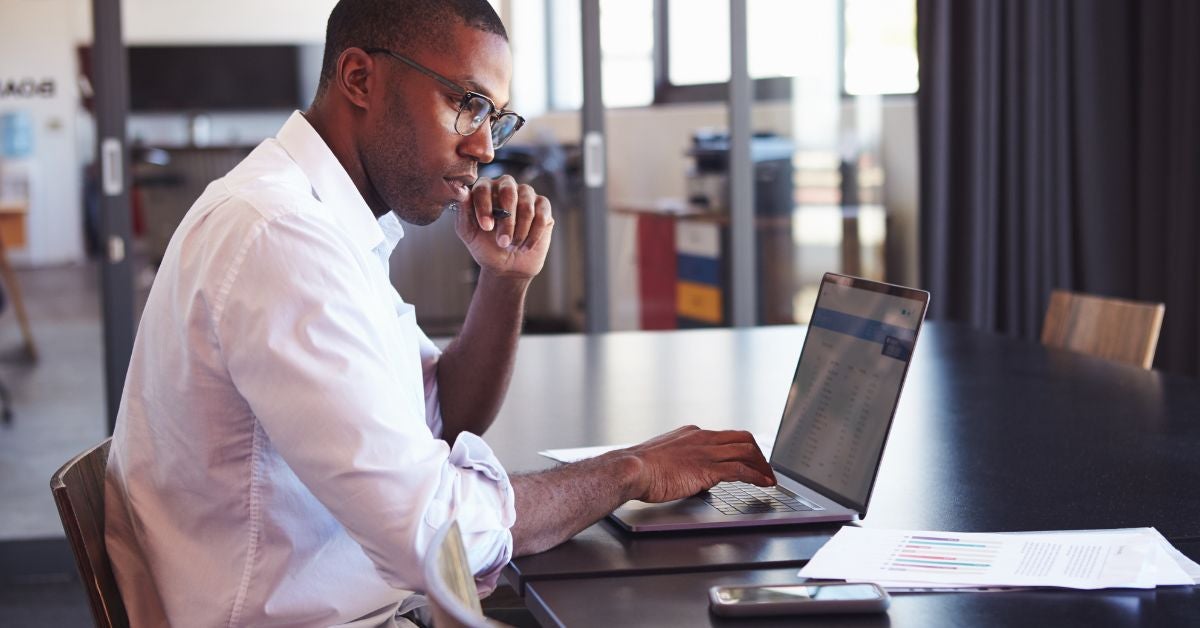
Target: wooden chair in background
column 78, row 489
column 12, row 234
column 1116, row 329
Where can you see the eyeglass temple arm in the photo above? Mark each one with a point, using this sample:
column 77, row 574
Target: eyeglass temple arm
column 496, row 111
column 418, row 67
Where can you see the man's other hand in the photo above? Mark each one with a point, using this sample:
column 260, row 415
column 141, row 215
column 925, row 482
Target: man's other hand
column 688, row 460
column 512, row 246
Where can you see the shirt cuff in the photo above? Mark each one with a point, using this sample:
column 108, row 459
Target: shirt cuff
column 484, row 504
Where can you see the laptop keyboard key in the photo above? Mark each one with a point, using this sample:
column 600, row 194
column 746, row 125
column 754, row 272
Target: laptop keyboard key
column 732, row 498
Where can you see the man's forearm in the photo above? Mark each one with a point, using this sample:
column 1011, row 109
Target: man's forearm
column 552, row 506
column 474, row 371
column 555, row 505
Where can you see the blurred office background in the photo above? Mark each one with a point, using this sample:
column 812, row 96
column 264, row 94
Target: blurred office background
column 1058, row 147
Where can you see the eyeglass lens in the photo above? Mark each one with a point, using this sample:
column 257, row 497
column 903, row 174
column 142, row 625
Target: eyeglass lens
column 476, row 111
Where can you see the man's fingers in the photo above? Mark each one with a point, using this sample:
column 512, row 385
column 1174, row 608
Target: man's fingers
column 688, row 459
column 481, row 201
column 745, row 453
column 739, row 446
column 742, row 472
column 737, row 451
column 543, row 223
column 505, row 197
column 524, row 214
column 466, row 224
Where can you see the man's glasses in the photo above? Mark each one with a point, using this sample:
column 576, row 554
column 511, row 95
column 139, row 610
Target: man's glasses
column 473, row 110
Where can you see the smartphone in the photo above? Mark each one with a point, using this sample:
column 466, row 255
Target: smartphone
column 798, row 599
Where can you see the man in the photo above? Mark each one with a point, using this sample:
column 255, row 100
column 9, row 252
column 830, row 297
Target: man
column 288, row 439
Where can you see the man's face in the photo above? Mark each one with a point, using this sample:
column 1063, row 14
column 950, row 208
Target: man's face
column 413, row 158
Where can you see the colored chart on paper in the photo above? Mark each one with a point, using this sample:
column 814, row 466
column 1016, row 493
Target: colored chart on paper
column 1081, row 559
column 942, row 554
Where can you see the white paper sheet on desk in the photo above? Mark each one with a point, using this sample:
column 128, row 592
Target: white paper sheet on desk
column 910, row 559
column 1163, row 560
column 575, row 454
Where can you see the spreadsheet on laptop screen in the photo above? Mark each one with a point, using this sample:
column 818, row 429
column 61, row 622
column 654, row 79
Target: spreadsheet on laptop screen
column 845, row 389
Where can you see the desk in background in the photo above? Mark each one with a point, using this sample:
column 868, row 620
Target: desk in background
column 12, row 235
column 991, row 434
column 683, row 264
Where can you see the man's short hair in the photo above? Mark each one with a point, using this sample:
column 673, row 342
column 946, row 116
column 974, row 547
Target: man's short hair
column 401, row 25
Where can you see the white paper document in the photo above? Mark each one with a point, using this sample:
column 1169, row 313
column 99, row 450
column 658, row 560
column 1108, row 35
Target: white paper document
column 1129, row 558
column 575, row 454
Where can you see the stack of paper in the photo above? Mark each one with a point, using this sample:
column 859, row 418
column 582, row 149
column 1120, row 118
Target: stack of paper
column 909, row 560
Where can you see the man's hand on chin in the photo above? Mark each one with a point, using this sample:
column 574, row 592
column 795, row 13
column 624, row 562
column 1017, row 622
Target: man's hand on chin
column 512, row 246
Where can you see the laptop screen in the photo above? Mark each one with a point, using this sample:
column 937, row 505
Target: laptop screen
column 840, row 406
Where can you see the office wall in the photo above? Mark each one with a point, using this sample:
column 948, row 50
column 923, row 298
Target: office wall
column 35, row 45
column 38, row 39
column 214, row 21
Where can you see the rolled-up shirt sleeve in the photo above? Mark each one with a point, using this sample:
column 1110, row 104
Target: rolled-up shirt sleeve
column 304, row 332
column 486, row 552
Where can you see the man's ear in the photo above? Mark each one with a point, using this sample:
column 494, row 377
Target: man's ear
column 356, row 76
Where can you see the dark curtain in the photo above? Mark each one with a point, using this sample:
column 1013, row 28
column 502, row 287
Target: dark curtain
column 1060, row 148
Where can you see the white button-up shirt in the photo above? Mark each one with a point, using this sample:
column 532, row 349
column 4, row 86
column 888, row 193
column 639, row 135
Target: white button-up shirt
column 275, row 459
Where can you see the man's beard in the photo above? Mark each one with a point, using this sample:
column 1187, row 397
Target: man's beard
column 395, row 174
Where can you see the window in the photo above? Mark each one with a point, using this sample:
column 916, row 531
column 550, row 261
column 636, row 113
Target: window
column 880, row 55
column 790, row 39
column 627, row 45
column 871, row 44
column 565, row 58
column 784, row 34
column 698, row 41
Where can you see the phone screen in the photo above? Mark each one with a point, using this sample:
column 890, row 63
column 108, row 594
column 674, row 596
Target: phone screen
column 798, row 592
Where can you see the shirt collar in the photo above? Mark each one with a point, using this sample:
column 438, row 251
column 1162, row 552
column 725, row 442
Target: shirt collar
column 332, row 186
column 392, row 231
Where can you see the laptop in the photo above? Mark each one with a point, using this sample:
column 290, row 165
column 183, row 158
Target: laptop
column 836, row 420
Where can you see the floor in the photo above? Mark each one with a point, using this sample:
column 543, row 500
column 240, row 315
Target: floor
column 58, row 411
column 43, row 604
column 58, row 402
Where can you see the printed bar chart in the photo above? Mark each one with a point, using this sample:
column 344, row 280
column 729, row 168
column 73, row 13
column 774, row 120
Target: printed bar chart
column 1138, row 558
column 936, row 554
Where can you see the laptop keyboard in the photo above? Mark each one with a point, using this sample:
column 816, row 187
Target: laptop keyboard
column 740, row 498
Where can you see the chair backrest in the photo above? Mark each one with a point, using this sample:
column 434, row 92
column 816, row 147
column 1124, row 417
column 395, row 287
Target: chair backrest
column 78, row 489
column 1116, row 329
column 450, row 585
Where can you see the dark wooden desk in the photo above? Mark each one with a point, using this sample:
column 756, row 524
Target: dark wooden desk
column 991, row 435
column 681, row 600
